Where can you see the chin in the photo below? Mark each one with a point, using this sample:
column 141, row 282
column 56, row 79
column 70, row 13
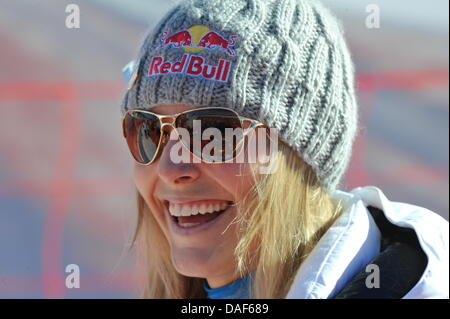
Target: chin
column 196, row 267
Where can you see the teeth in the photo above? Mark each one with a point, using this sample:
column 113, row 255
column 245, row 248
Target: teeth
column 188, row 224
column 175, row 209
column 195, row 210
column 188, row 210
column 210, row 208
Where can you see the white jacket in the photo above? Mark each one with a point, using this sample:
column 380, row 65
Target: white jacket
column 354, row 240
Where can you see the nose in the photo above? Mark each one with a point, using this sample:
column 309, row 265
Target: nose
column 169, row 169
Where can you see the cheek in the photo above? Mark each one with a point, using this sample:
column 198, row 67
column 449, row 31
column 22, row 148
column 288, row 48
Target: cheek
column 235, row 178
column 143, row 178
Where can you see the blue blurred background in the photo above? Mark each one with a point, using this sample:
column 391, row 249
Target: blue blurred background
column 66, row 188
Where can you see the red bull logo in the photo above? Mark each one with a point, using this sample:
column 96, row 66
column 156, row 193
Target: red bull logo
column 199, row 37
column 215, row 40
column 193, row 40
column 191, row 65
column 178, row 40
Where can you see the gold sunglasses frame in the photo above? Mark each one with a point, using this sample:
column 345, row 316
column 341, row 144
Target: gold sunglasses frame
column 247, row 124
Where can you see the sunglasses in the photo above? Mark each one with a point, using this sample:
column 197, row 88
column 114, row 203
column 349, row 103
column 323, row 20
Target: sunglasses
column 146, row 133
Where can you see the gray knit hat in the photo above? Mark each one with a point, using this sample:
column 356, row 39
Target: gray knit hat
column 283, row 62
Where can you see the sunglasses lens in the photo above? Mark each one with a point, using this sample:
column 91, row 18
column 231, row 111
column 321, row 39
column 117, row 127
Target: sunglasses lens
column 142, row 131
column 215, row 133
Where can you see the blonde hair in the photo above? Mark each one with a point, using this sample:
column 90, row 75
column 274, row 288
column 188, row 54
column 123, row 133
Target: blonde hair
column 283, row 218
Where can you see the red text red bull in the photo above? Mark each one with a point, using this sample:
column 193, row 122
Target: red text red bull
column 192, row 65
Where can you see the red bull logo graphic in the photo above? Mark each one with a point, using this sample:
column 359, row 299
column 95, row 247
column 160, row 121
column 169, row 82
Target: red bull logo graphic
column 178, row 40
column 199, row 37
column 193, row 40
column 213, row 40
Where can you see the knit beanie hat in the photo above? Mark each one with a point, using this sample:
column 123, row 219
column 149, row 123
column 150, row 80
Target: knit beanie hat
column 282, row 62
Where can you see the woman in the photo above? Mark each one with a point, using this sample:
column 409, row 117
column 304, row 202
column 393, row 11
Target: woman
column 215, row 224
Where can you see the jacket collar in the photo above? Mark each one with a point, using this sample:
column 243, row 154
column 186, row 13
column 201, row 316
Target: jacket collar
column 348, row 245
column 354, row 240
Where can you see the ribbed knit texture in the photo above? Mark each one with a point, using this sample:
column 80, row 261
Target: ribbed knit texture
column 292, row 71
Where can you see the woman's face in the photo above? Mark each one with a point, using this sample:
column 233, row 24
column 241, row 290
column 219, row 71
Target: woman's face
column 205, row 250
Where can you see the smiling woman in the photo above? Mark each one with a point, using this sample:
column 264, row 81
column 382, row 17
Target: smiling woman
column 211, row 227
column 252, row 225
